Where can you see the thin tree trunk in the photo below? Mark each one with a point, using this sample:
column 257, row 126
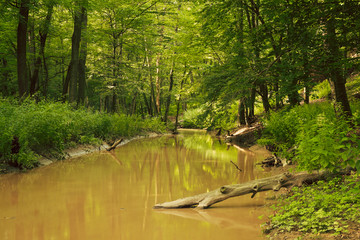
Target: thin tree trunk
column 43, row 32
column 46, row 72
column 158, row 84
column 168, row 100
column 21, row 47
column 82, row 59
column 5, row 73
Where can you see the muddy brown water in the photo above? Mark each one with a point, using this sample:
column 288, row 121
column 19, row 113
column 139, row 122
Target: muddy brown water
column 110, row 195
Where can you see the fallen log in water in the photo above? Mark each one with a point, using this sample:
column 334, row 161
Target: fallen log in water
column 114, row 145
column 274, row 183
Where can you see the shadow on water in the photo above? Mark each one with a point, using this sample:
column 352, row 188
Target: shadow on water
column 110, row 195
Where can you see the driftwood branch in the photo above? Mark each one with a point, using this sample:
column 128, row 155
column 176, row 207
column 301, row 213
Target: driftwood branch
column 274, row 183
column 236, row 166
column 115, row 145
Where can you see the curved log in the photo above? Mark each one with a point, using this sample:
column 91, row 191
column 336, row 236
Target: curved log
column 274, row 183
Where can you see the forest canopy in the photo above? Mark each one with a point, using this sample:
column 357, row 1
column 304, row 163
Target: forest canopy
column 163, row 57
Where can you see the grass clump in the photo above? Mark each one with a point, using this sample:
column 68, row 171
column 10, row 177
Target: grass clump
column 30, row 129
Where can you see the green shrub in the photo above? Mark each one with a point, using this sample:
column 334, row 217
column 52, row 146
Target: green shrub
column 52, row 126
column 326, row 144
column 194, row 118
column 321, row 140
column 327, row 206
column 321, row 90
column 214, row 117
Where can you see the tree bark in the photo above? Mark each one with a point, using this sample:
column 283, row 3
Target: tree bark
column 336, row 71
column 241, row 112
column 264, row 96
column 82, row 59
column 73, row 69
column 168, row 100
column 43, row 32
column 158, row 84
column 275, row 183
column 21, row 47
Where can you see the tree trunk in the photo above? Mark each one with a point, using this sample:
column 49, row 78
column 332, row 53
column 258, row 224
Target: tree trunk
column 43, row 32
column 158, row 84
column 21, row 47
column 5, row 77
column 168, row 100
column 82, row 59
column 293, row 95
column 73, row 70
column 275, row 183
column 178, row 104
column 241, row 112
column 336, row 71
column 264, row 95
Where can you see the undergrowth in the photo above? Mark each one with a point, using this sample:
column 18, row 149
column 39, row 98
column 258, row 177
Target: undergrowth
column 315, row 138
column 327, row 206
column 30, row 129
column 320, row 140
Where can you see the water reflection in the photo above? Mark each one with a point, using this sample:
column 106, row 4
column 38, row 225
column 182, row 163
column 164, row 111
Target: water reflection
column 110, row 195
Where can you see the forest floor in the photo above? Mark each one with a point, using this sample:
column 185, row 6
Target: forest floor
column 353, row 234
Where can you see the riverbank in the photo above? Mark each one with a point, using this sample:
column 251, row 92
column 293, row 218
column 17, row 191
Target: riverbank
column 31, row 130
column 315, row 138
column 74, row 152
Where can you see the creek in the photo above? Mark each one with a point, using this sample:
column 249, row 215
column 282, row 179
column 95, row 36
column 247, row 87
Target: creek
column 110, row 195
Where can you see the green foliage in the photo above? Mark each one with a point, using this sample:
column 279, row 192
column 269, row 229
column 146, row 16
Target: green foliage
column 321, row 90
column 322, row 140
column 323, row 207
column 192, row 118
column 47, row 126
column 326, row 144
column 212, row 117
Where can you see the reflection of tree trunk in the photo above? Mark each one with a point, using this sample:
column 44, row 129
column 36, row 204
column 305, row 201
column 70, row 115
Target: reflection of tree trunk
column 168, row 170
column 214, row 218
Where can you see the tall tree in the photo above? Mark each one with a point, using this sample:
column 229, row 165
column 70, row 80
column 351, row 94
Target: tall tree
column 21, row 47
column 72, row 77
column 82, row 59
column 43, row 33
